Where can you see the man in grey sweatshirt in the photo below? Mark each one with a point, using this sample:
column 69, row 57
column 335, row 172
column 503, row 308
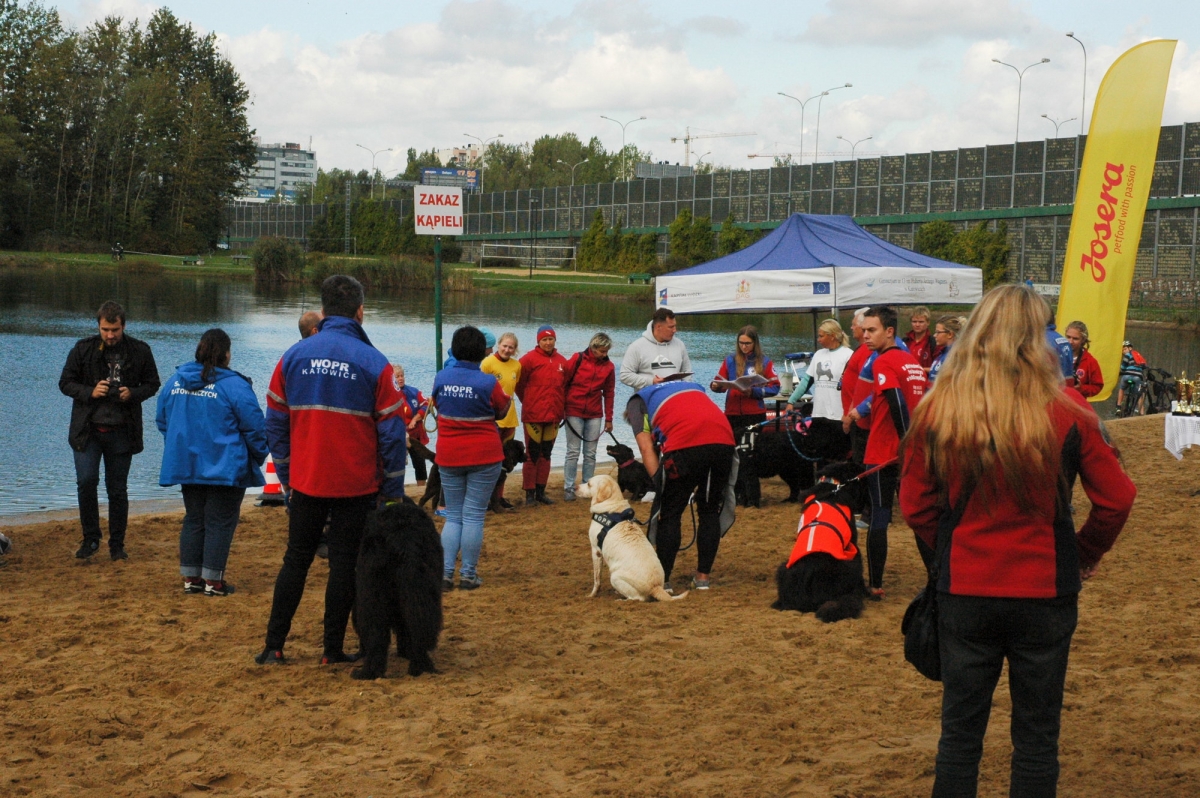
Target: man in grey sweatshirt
column 656, row 355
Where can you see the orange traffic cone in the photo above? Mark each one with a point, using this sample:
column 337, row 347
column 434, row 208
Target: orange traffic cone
column 272, row 493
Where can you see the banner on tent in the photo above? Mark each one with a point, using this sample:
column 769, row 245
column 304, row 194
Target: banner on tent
column 749, row 291
column 804, row 289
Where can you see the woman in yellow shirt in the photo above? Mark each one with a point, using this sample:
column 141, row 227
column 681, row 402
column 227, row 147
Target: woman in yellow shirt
column 504, row 366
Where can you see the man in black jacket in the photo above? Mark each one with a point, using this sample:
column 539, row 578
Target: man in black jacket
column 108, row 375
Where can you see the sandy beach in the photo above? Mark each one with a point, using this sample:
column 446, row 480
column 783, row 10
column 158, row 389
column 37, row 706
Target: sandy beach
column 115, row 683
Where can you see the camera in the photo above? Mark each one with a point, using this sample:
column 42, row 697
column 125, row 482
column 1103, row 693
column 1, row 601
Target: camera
column 114, row 377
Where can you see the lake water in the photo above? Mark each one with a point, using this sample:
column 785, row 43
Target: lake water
column 45, row 311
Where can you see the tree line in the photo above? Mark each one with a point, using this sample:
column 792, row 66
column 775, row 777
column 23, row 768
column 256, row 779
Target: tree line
column 117, row 132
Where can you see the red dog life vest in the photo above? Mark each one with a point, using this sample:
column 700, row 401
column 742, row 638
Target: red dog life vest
column 824, row 527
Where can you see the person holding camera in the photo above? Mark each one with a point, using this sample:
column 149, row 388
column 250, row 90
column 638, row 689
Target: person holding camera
column 108, row 376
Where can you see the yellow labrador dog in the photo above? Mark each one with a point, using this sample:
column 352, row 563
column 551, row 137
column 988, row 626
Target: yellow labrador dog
column 633, row 567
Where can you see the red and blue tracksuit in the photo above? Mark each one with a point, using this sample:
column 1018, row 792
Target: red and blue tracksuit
column 335, row 420
column 468, row 402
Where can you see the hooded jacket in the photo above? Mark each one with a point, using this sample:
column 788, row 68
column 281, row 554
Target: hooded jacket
column 647, row 358
column 591, row 385
column 86, row 366
column 214, row 432
column 541, row 386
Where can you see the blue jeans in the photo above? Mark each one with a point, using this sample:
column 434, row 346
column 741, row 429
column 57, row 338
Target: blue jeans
column 211, row 514
column 590, row 429
column 115, row 449
column 467, row 490
column 976, row 635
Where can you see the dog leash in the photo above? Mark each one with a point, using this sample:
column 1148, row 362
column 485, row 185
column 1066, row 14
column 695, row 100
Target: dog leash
column 787, row 431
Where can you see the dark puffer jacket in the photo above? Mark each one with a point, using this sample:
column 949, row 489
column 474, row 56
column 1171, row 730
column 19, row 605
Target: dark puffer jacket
column 86, row 366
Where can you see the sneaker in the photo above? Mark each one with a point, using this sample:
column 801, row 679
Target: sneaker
column 862, row 525
column 87, row 549
column 118, row 554
column 701, row 583
column 667, row 587
column 270, row 656
column 875, row 593
column 340, row 657
column 193, row 586
column 217, row 588
column 469, row 582
column 447, row 584
column 568, row 495
column 323, row 551
column 440, row 512
column 506, row 504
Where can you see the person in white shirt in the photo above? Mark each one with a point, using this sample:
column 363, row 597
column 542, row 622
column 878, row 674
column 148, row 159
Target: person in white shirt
column 825, row 373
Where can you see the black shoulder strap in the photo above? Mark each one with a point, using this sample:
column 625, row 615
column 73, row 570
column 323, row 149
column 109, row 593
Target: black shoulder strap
column 578, row 362
column 946, row 526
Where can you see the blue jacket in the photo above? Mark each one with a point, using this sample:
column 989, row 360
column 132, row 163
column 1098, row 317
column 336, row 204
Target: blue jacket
column 214, row 432
column 1062, row 351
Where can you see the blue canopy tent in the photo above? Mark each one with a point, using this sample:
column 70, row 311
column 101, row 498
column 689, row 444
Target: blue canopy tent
column 813, row 262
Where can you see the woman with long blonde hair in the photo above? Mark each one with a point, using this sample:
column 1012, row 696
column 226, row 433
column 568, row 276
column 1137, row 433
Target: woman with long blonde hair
column 988, row 467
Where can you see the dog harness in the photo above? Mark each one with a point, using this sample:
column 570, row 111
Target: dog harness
column 608, row 520
column 824, row 527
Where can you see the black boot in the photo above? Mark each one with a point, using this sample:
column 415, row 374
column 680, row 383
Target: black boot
column 540, row 495
column 531, row 498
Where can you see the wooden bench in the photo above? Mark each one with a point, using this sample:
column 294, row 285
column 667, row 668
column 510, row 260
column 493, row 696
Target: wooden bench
column 192, row 261
column 240, row 258
column 644, row 279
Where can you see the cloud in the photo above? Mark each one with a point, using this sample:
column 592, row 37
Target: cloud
column 912, row 23
column 508, row 71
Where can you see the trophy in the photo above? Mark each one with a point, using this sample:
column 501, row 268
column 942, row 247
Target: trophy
column 1186, row 394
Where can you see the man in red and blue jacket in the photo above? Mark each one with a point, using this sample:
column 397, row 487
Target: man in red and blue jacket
column 335, row 427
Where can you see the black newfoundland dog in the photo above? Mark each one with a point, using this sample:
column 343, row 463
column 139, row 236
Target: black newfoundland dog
column 789, row 449
column 825, row 571
column 399, row 589
column 632, row 476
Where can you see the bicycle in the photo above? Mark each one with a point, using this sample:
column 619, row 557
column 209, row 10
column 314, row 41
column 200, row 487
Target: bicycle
column 1160, row 389
column 1132, row 388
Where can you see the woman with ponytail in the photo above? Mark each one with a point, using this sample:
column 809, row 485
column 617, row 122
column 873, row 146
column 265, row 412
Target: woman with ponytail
column 214, row 445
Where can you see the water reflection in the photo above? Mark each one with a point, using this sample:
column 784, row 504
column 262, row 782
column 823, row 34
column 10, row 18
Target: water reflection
column 45, row 310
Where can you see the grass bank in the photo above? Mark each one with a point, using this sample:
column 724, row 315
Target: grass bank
column 211, row 265
column 556, row 283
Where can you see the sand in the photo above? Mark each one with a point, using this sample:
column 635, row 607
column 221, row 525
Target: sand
column 115, row 683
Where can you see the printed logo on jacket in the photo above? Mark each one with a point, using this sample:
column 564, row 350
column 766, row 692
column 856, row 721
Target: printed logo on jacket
column 329, row 368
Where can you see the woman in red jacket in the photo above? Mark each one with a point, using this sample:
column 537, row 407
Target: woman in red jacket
column 591, row 380
column 1088, row 379
column 744, row 408
column 540, row 389
column 988, row 467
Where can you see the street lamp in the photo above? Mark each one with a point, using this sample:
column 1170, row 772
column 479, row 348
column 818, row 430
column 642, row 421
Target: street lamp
column 854, row 145
column 1020, row 81
column 802, row 104
column 817, row 143
column 1056, row 123
column 1083, row 94
column 623, row 126
column 533, row 202
column 483, row 153
column 702, row 157
column 373, row 154
column 573, row 168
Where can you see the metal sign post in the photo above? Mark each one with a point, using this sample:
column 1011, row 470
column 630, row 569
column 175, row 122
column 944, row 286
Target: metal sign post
column 437, row 211
column 437, row 300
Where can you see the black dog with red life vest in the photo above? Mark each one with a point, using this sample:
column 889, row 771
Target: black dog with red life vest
column 824, row 573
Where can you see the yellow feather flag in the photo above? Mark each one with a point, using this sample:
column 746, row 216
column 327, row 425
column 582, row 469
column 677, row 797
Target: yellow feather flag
column 1110, row 201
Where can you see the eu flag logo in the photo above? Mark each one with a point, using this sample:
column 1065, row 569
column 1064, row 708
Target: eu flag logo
column 821, row 288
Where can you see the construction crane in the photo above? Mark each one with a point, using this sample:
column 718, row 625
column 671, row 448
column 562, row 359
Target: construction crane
column 687, row 138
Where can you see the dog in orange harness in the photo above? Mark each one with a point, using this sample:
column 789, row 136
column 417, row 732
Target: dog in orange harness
column 824, row 573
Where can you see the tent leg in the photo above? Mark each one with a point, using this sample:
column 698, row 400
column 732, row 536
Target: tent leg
column 814, row 322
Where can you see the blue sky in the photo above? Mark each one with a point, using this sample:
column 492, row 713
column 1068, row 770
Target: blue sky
column 424, row 74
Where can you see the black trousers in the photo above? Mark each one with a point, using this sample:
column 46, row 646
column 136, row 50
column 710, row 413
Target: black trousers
column 347, row 519
column 976, row 636
column 705, row 468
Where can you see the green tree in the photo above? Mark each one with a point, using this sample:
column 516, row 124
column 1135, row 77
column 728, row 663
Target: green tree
column 986, row 249
column 595, row 250
column 731, row 238
column 935, row 239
